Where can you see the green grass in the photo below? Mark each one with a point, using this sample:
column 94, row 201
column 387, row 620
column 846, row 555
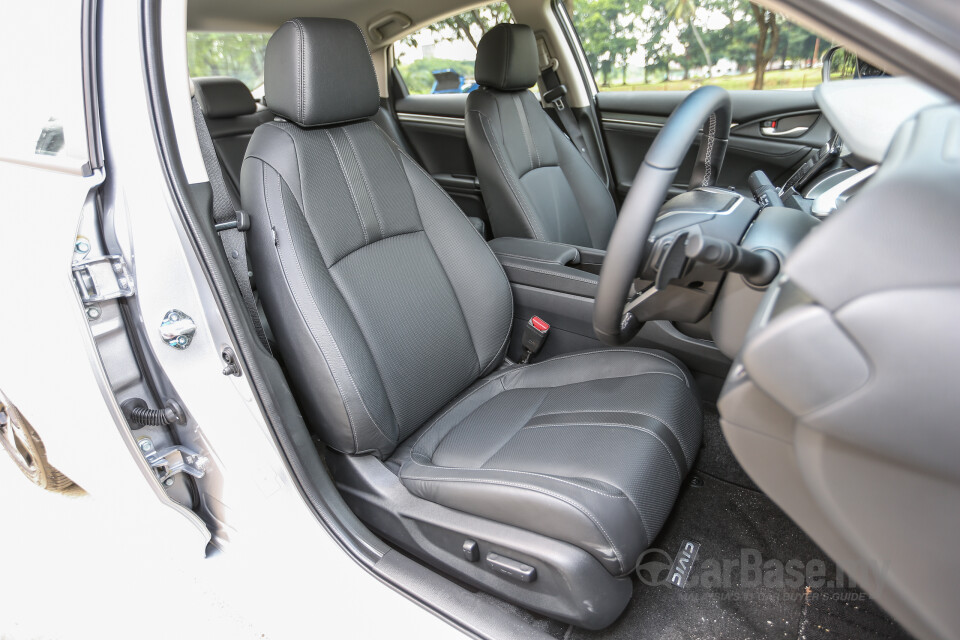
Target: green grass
column 785, row 79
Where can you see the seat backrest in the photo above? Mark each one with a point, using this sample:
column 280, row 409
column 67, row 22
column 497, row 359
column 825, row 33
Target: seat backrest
column 534, row 181
column 232, row 115
column 384, row 300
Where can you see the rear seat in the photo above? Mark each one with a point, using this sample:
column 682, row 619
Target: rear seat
column 232, row 114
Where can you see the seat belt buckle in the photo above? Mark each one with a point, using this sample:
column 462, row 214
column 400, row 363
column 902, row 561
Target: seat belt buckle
column 534, row 335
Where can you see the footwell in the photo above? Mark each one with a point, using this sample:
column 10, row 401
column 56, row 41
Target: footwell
column 755, row 575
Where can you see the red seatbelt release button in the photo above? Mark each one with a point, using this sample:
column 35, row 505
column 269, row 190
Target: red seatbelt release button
column 534, row 335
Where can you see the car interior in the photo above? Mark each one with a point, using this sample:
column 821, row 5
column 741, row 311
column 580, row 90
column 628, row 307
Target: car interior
column 543, row 341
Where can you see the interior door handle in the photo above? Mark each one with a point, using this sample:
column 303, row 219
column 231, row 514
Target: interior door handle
column 772, row 131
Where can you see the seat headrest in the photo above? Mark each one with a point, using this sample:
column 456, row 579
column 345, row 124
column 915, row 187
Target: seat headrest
column 319, row 71
column 223, row 97
column 507, row 58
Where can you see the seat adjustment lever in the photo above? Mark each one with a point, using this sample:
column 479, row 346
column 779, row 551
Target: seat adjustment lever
column 511, row 568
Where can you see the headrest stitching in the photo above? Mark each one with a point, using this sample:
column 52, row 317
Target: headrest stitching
column 506, row 58
column 369, row 56
column 300, row 66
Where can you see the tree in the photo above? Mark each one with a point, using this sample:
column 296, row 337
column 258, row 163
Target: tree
column 768, row 39
column 227, row 54
column 607, row 30
column 469, row 25
column 684, row 12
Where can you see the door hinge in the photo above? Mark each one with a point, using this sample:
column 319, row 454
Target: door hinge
column 104, row 278
column 165, row 463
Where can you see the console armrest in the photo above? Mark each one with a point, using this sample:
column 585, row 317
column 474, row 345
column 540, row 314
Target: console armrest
column 544, row 265
column 535, row 250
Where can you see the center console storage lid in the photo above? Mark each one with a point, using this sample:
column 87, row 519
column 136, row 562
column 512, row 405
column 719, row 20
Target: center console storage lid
column 544, row 265
column 535, row 250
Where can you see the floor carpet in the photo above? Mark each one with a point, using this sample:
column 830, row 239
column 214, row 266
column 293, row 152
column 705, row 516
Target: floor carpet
column 755, row 575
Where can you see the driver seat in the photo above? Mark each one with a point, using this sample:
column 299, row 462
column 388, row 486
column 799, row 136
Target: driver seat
column 392, row 316
column 534, row 181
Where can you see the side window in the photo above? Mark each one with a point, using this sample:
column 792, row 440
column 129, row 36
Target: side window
column 42, row 119
column 239, row 55
column 440, row 58
column 642, row 45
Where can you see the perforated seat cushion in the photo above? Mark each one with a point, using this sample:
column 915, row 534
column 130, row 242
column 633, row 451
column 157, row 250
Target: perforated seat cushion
column 589, row 448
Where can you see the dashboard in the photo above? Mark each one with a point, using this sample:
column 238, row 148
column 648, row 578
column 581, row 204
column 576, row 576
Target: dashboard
column 760, row 233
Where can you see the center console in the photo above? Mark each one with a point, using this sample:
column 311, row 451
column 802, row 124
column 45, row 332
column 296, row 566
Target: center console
column 558, row 282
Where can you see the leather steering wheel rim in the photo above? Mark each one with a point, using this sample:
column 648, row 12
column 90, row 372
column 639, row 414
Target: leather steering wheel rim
column 707, row 107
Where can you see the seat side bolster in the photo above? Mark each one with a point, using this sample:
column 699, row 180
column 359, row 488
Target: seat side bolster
column 279, row 241
column 470, row 265
column 508, row 206
column 610, row 529
column 593, row 198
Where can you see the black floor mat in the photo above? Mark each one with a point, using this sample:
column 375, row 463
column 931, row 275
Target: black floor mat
column 715, row 457
column 756, row 573
column 740, row 528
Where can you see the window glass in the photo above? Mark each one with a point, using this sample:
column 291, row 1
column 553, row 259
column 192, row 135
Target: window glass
column 440, row 58
column 637, row 45
column 42, row 115
column 239, row 55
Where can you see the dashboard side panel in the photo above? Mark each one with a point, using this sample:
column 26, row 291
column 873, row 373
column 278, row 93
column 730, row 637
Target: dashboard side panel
column 857, row 438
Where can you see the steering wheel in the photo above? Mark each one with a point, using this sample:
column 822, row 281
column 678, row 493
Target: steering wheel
column 613, row 321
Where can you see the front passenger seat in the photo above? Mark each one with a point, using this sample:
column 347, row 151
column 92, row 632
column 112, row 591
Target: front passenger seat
column 534, row 181
column 393, row 316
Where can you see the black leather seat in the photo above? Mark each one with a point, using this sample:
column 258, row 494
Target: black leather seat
column 534, row 181
column 232, row 115
column 392, row 316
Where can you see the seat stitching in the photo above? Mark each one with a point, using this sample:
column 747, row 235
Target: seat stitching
column 353, row 196
column 525, row 131
column 363, row 176
column 618, row 425
column 536, row 489
column 452, row 407
column 494, row 147
column 433, row 465
column 374, row 243
column 536, row 409
column 549, row 273
column 532, row 138
column 333, row 342
column 350, row 420
column 633, row 375
column 300, row 66
column 500, row 377
column 597, row 351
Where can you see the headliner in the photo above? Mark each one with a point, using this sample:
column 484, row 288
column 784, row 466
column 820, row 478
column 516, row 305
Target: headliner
column 260, row 16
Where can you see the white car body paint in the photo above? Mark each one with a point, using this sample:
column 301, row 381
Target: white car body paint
column 279, row 568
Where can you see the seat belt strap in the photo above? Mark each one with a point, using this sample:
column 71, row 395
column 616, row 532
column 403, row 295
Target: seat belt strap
column 555, row 94
column 230, row 222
